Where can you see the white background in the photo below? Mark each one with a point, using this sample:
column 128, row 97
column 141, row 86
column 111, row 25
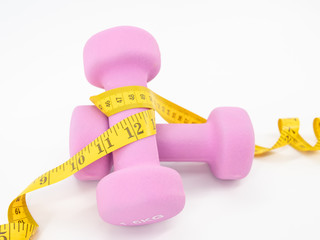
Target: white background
column 263, row 56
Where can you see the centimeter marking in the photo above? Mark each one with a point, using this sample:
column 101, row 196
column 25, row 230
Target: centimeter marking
column 104, row 144
column 16, row 231
column 120, row 99
column 21, row 224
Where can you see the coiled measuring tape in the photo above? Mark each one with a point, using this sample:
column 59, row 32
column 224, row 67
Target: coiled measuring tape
column 21, row 224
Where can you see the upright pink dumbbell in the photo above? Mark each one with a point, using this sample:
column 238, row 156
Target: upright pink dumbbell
column 139, row 191
column 225, row 141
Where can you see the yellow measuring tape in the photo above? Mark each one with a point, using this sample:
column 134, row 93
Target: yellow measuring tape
column 21, row 224
column 134, row 96
column 289, row 134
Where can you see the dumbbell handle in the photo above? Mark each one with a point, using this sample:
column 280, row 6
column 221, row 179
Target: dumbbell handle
column 185, row 143
column 142, row 152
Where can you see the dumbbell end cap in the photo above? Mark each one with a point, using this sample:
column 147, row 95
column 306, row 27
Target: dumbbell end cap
column 140, row 195
column 120, row 49
column 235, row 143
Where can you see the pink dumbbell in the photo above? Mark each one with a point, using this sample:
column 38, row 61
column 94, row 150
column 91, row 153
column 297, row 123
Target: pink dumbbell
column 139, row 191
column 225, row 141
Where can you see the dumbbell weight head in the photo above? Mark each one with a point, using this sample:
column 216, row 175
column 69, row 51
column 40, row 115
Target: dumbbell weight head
column 118, row 52
column 235, row 143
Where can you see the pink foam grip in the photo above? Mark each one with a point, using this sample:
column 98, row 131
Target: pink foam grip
column 127, row 56
column 87, row 123
column 225, row 142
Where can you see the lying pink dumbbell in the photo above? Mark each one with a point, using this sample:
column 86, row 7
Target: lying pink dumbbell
column 225, row 141
column 139, row 188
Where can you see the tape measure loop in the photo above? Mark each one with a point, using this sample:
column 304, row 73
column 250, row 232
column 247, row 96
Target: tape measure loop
column 124, row 98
